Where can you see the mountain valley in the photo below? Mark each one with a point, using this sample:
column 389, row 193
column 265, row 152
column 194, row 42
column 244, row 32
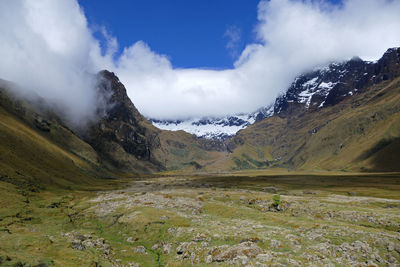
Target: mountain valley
column 311, row 181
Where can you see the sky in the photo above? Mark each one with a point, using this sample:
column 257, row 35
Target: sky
column 185, row 59
column 192, row 33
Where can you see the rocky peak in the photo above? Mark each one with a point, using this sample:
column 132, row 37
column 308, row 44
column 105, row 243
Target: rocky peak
column 121, row 129
column 330, row 85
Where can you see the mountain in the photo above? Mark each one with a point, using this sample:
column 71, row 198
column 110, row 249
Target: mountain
column 38, row 145
column 313, row 90
column 214, row 128
column 342, row 117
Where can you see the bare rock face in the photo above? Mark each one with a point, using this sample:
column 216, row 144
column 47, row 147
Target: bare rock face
column 123, row 137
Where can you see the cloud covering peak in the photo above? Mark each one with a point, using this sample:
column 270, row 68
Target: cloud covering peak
column 48, row 48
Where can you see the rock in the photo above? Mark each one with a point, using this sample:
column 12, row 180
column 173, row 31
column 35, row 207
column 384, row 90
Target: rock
column 52, row 239
column 397, row 248
column 167, row 248
column 283, row 206
column 391, row 259
column 247, row 249
column 264, row 257
column 390, row 247
column 275, row 243
column 88, row 243
column 184, row 247
column 371, row 264
column 200, row 237
column 241, row 259
column 361, row 246
column 77, row 245
column 378, row 258
column 251, row 239
column 209, row 259
column 156, row 246
column 251, row 201
column 99, row 242
column 140, row 249
column 243, row 199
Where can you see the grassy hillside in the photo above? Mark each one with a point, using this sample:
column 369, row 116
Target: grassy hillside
column 360, row 133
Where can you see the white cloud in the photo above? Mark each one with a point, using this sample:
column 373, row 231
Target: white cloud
column 47, row 47
column 294, row 36
column 234, row 35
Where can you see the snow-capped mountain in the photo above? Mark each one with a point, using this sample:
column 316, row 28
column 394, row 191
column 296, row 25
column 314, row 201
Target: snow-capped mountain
column 327, row 86
column 210, row 128
column 310, row 91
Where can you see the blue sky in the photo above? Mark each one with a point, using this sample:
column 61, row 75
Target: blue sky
column 192, row 33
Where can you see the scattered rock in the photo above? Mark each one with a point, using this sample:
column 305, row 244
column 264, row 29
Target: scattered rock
column 184, row 247
column 397, row 248
column 248, row 249
column 361, row 246
column 275, row 243
column 52, row 239
column 77, row 245
column 264, row 257
column 200, row 237
column 167, row 248
column 251, row 239
column 209, row 259
column 391, row 259
column 140, row 249
column 390, row 247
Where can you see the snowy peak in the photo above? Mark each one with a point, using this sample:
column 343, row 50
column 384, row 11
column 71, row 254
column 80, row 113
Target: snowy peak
column 310, row 91
column 214, row 128
column 329, row 85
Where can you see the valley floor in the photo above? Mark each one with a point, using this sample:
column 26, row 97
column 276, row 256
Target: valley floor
column 320, row 220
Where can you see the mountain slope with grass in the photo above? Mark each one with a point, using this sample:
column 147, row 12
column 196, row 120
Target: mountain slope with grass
column 37, row 144
column 352, row 126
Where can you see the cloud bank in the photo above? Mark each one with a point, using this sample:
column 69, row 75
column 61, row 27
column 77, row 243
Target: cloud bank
column 47, row 47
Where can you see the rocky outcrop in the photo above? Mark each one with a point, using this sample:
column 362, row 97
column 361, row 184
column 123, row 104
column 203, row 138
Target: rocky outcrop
column 123, row 137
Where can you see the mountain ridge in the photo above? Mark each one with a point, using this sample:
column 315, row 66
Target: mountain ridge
column 349, row 132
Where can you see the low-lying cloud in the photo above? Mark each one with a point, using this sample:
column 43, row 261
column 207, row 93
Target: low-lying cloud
column 48, row 48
